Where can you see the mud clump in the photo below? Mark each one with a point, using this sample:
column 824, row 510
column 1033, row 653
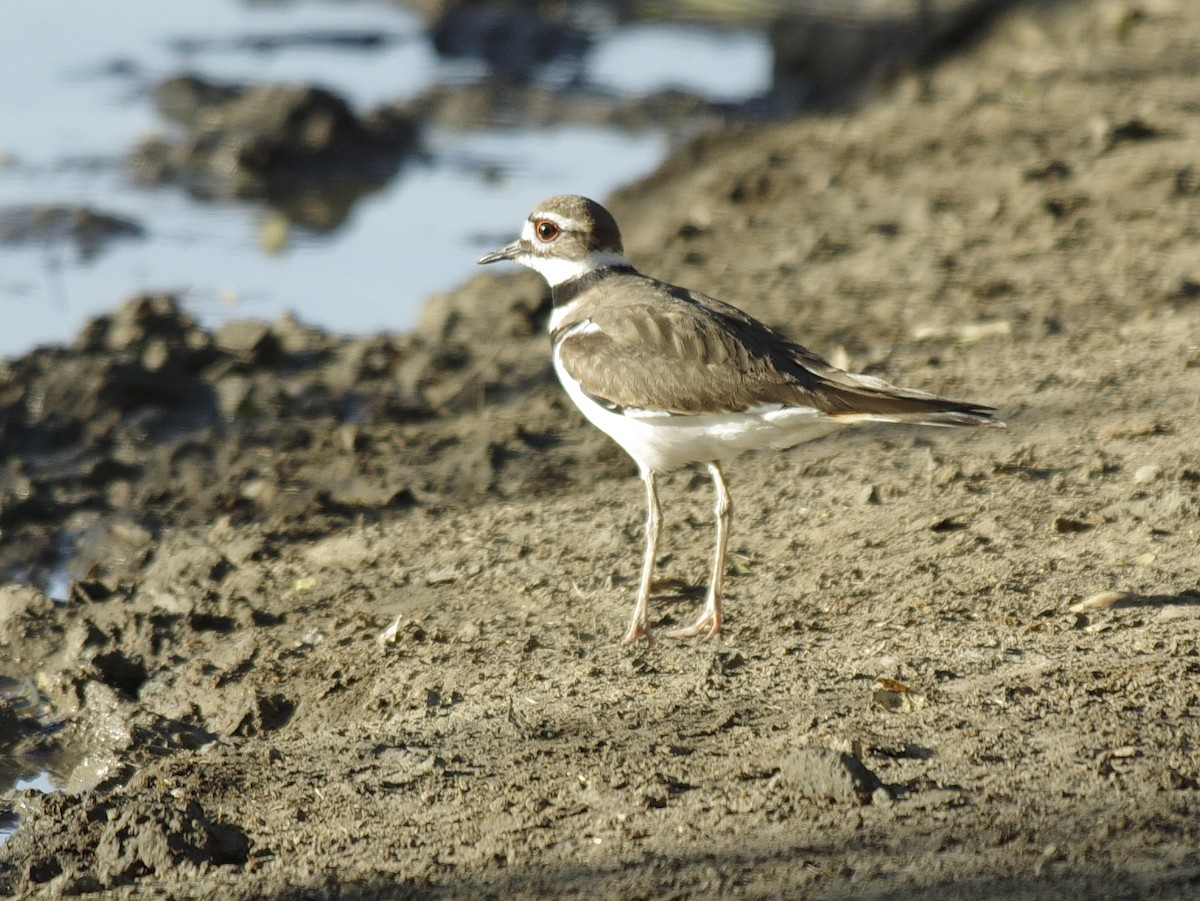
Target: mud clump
column 275, row 142
column 163, row 833
column 822, row 775
column 149, row 421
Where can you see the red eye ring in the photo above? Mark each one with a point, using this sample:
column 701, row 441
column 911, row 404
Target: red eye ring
column 546, row 230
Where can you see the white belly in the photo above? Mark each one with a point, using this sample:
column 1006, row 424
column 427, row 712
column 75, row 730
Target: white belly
column 661, row 442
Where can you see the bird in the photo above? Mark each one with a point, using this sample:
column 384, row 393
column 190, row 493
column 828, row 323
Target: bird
column 676, row 377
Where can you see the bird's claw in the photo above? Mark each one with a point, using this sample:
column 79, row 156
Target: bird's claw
column 708, row 626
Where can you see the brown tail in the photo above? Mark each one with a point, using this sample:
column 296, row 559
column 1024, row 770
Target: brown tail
column 864, row 398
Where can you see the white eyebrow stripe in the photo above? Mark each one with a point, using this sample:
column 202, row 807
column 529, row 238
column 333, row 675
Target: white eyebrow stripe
column 566, row 223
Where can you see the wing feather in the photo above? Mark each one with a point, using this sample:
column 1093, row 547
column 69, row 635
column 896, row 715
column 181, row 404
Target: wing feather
column 657, row 351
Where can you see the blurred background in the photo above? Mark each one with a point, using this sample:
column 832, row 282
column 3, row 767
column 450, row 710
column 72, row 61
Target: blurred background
column 344, row 159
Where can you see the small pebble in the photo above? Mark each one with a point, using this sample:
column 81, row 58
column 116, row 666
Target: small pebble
column 1100, row 601
column 1146, row 474
column 1064, row 525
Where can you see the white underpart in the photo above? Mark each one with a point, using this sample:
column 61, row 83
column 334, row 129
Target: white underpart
column 660, row 442
column 559, row 314
column 556, row 270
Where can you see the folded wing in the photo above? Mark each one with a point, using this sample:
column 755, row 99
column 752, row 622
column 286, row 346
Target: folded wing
column 661, row 354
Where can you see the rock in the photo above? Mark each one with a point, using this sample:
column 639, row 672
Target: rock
column 249, row 340
column 822, row 775
column 297, row 339
column 1064, row 525
column 275, row 142
column 137, row 321
column 1144, row 475
column 233, row 394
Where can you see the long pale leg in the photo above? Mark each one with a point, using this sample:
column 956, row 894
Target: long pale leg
column 640, row 624
column 709, row 623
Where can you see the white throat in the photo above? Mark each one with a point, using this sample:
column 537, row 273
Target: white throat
column 556, row 270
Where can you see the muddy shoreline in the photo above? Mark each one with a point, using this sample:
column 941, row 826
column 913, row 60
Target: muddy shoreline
column 955, row 665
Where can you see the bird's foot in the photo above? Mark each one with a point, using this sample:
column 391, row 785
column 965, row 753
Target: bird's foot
column 638, row 629
column 708, row 626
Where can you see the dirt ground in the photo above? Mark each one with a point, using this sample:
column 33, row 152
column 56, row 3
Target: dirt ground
column 1019, row 227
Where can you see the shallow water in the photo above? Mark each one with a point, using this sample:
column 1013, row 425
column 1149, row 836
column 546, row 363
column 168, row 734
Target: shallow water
column 42, row 782
column 78, row 77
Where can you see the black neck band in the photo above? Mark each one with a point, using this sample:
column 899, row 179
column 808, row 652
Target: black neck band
column 562, row 294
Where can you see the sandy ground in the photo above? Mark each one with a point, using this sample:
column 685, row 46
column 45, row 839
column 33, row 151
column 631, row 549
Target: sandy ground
column 957, row 664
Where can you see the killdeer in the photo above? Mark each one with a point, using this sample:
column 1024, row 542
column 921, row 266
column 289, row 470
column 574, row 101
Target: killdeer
column 676, row 377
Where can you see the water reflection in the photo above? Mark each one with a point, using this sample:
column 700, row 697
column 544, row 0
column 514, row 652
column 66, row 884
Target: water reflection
column 359, row 258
